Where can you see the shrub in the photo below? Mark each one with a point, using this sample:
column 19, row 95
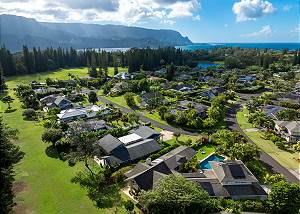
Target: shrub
column 29, row 114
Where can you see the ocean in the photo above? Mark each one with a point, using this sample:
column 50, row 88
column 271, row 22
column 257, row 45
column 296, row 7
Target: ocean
column 274, row 46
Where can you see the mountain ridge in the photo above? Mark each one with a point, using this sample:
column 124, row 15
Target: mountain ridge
column 17, row 31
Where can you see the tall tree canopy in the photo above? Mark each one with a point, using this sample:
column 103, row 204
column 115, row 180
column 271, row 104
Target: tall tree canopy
column 9, row 156
column 175, row 194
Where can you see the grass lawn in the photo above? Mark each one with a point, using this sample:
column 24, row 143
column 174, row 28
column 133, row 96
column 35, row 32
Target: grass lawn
column 118, row 100
column 155, row 116
column 209, row 149
column 286, row 159
column 120, row 69
column 242, row 119
column 44, row 182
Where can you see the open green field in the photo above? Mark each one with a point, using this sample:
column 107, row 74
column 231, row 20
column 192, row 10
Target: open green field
column 43, row 183
column 120, row 69
column 286, row 159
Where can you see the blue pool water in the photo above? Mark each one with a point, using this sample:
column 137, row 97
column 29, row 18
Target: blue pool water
column 205, row 165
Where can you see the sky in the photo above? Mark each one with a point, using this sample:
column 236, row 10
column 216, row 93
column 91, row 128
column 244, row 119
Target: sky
column 213, row 21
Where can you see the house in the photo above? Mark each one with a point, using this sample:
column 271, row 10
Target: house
column 144, row 175
column 125, row 149
column 88, row 112
column 160, row 73
column 152, row 97
column 146, row 132
column 119, row 88
column 228, row 179
column 58, row 101
column 293, row 97
column 92, row 125
column 246, row 80
column 34, row 84
column 209, row 79
column 183, row 88
column 289, row 130
column 271, row 110
column 213, row 92
column 123, row 76
column 185, row 105
column 47, row 90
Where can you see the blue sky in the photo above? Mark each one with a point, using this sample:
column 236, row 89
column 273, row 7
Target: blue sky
column 200, row 20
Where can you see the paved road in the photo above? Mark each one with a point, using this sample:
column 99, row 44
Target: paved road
column 266, row 159
column 147, row 120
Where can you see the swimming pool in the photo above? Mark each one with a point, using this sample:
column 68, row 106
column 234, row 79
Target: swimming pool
column 214, row 157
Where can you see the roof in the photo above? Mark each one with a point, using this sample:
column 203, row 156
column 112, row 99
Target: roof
column 293, row 126
column 131, row 138
column 232, row 171
column 145, row 132
column 245, row 190
column 142, row 148
column 108, row 143
column 272, row 110
column 146, row 179
column 152, row 95
column 71, row 113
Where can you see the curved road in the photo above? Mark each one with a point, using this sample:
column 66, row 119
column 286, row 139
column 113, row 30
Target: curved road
column 147, row 120
column 265, row 159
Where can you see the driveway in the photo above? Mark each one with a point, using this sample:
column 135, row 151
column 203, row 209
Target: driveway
column 147, row 120
column 265, row 159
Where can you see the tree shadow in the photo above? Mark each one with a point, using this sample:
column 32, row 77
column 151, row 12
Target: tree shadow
column 51, row 151
column 10, row 110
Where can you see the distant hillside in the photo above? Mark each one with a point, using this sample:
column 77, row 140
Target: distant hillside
column 17, row 31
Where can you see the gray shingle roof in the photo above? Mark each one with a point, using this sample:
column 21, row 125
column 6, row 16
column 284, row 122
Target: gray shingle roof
column 145, row 132
column 142, row 148
column 108, row 143
column 225, row 172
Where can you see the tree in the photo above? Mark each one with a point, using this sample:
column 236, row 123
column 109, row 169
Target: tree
column 170, row 72
column 8, row 100
column 10, row 155
column 29, row 114
column 102, row 186
column 93, row 97
column 129, row 206
column 175, row 194
column 129, row 98
column 245, row 152
column 52, row 135
column 177, row 135
column 116, row 71
column 133, row 118
column 284, row 198
column 83, row 144
column 2, row 82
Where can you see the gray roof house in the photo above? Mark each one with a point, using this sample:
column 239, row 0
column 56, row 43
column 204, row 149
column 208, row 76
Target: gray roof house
column 87, row 112
column 92, row 125
column 246, row 80
column 58, row 101
column 272, row 110
column 290, row 130
column 125, row 149
column 150, row 97
column 229, row 179
column 188, row 105
column 146, row 132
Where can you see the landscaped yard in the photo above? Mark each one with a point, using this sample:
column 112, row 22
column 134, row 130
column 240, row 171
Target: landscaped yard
column 205, row 151
column 155, row 116
column 285, row 158
column 43, row 183
column 120, row 69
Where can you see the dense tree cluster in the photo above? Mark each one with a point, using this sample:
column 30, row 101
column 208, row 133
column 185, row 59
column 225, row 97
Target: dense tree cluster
column 10, row 155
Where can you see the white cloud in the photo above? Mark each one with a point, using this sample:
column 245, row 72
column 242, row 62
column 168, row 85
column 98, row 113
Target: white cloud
column 296, row 29
column 167, row 22
column 265, row 31
column 252, row 9
column 119, row 11
column 197, row 18
column 226, row 25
